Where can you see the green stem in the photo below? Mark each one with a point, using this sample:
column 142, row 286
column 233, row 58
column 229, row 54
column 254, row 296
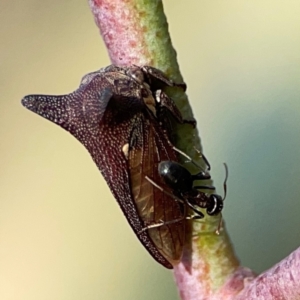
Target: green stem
column 136, row 32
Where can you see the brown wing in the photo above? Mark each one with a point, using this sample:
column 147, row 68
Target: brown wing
column 115, row 170
column 121, row 126
column 104, row 121
column 149, row 147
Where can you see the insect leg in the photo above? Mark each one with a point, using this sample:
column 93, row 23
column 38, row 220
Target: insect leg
column 184, row 216
column 203, row 157
column 198, row 212
column 176, row 198
column 219, row 225
column 204, row 187
column 163, row 223
column 168, row 103
column 164, row 191
column 194, row 217
column 191, row 160
column 158, row 75
column 225, row 193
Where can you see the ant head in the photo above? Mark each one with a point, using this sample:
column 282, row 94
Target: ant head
column 215, row 205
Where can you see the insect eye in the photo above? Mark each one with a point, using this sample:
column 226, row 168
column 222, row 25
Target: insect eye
column 215, row 205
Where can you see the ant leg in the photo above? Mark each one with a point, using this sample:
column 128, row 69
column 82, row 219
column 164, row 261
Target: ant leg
column 164, row 191
column 184, row 215
column 201, row 176
column 225, row 193
column 219, row 225
column 204, row 187
column 168, row 103
column 192, row 161
column 162, row 223
column 198, row 212
column 204, row 158
column 194, row 217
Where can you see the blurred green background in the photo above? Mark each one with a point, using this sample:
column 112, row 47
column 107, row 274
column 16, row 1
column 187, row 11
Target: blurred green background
column 62, row 235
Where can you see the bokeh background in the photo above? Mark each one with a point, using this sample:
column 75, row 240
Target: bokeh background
column 62, row 235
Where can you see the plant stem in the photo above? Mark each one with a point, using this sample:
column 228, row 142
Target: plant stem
column 136, row 32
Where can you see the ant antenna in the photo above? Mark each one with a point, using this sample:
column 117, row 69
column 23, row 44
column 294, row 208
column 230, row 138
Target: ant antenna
column 225, row 194
column 225, row 181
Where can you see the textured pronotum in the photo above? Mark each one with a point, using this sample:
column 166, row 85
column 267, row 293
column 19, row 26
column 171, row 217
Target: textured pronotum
column 120, row 114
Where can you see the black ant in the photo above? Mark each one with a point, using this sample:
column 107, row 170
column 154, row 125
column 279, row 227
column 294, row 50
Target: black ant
column 181, row 182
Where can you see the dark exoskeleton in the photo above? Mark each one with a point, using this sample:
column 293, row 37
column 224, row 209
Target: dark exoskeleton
column 181, row 181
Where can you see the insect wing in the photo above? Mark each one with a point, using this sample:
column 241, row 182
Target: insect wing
column 149, row 147
column 104, row 122
column 115, row 170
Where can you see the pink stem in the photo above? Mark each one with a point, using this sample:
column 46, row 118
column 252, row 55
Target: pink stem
column 136, row 32
column 282, row 281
